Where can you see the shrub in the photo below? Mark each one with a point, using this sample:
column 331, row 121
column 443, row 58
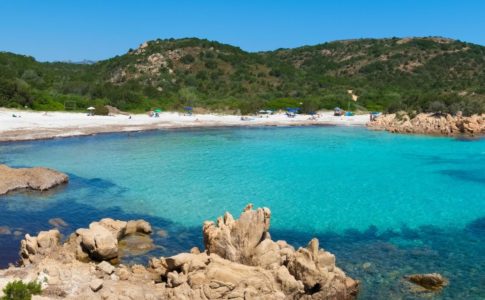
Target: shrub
column 211, row 64
column 187, row 59
column 437, row 106
column 18, row 290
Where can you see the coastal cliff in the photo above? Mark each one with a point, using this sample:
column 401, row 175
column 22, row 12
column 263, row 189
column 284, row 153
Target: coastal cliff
column 40, row 179
column 433, row 124
column 241, row 261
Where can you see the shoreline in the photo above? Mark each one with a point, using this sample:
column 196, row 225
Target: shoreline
column 50, row 125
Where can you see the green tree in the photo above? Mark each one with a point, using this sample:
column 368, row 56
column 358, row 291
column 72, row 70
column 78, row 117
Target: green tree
column 18, row 290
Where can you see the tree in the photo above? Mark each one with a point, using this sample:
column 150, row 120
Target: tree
column 17, row 290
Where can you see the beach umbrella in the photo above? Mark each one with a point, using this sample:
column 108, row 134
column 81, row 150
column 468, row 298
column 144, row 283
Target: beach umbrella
column 91, row 108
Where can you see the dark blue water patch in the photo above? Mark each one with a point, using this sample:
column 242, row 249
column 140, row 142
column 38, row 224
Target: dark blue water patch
column 477, row 176
column 450, row 160
column 76, row 215
column 477, row 227
column 28, row 211
column 91, row 187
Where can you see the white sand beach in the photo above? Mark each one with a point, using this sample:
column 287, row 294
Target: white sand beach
column 30, row 125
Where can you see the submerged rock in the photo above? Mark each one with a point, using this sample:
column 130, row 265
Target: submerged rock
column 58, row 222
column 5, row 230
column 432, row 282
column 135, row 244
column 34, row 178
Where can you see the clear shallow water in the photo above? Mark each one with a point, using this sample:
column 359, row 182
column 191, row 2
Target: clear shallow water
column 403, row 203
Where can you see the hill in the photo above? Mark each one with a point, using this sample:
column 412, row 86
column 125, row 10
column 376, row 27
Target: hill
column 421, row 74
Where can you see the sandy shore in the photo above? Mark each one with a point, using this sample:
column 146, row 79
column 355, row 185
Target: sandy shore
column 30, row 125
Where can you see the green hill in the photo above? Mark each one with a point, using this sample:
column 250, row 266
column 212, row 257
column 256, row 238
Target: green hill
column 422, row 74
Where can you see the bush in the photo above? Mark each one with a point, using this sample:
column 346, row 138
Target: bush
column 187, row 59
column 437, row 106
column 101, row 110
column 17, row 290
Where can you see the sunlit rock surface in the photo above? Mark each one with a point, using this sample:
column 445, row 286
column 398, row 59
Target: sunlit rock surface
column 252, row 267
column 40, row 179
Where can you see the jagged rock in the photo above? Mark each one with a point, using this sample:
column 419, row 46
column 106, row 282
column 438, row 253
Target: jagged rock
column 432, row 282
column 258, row 268
column 96, row 285
column 34, row 178
column 98, row 242
column 116, row 227
column 138, row 226
column 308, row 271
column 101, row 240
column 123, row 272
column 106, row 267
column 236, row 240
column 435, row 124
column 33, row 249
column 316, row 269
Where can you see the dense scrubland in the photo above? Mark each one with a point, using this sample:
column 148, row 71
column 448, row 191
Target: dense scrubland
column 412, row 74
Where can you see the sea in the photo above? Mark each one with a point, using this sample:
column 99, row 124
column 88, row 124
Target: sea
column 386, row 205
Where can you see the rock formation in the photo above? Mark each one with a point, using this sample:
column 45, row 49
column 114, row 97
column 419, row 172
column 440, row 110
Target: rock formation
column 240, row 262
column 33, row 178
column 434, row 124
column 431, row 282
column 115, row 111
column 34, row 249
column 100, row 241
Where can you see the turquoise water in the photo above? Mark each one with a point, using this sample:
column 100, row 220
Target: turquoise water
column 355, row 189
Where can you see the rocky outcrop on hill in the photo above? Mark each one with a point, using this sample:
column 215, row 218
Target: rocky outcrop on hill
column 29, row 178
column 434, row 124
column 240, row 262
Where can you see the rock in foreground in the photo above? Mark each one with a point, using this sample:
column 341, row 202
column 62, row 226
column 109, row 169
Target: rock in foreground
column 241, row 261
column 433, row 124
column 40, row 179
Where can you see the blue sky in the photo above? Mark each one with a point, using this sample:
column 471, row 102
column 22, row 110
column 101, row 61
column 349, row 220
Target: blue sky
column 95, row 29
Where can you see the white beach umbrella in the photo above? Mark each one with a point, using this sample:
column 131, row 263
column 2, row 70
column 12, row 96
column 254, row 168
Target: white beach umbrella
column 91, row 108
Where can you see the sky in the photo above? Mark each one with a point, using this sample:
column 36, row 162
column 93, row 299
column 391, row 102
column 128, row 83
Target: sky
column 55, row 30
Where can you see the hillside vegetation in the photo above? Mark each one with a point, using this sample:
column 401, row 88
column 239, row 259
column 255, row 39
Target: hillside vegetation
column 413, row 74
